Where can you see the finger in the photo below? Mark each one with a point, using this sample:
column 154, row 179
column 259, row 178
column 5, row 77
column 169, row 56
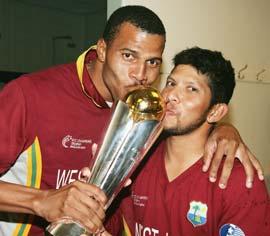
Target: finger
column 256, row 165
column 95, row 192
column 85, row 174
column 231, row 148
column 128, row 182
column 94, row 149
column 217, row 160
column 91, row 205
column 89, row 213
column 249, row 172
column 89, row 220
column 94, row 206
column 87, row 193
column 244, row 157
column 209, row 151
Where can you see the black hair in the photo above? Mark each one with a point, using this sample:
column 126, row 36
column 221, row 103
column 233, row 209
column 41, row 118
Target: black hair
column 139, row 16
column 219, row 71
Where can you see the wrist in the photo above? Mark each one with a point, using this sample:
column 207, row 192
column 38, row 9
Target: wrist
column 37, row 203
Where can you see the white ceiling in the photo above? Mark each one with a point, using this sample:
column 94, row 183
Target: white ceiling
column 74, row 6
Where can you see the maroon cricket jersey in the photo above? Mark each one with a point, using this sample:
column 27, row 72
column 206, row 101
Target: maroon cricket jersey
column 47, row 129
column 190, row 205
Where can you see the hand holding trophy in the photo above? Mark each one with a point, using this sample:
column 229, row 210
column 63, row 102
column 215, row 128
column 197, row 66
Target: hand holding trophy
column 133, row 128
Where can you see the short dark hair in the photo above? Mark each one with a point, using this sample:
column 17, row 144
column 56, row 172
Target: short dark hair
column 139, row 16
column 219, row 71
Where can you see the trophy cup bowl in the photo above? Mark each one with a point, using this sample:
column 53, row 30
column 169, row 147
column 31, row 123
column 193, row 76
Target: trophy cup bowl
column 133, row 128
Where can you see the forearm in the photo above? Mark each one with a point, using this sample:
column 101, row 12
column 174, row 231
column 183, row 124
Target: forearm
column 18, row 198
column 81, row 201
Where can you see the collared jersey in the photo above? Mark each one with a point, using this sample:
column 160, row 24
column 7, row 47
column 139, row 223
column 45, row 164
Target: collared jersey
column 190, row 205
column 48, row 128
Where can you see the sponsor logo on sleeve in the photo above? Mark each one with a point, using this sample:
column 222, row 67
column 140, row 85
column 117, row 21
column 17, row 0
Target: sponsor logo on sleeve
column 197, row 213
column 230, row 230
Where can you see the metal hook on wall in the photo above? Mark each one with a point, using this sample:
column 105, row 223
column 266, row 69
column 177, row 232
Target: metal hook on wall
column 241, row 76
column 258, row 75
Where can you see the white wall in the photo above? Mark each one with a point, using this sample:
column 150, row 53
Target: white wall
column 112, row 6
column 240, row 29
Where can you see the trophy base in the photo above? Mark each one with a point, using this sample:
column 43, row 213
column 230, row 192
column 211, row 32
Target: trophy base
column 66, row 228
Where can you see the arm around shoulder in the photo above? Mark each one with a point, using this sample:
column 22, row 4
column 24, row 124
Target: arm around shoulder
column 225, row 141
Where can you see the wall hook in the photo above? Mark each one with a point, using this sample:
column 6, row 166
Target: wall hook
column 241, row 76
column 258, row 75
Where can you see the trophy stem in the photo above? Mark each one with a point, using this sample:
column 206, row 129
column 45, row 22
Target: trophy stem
column 134, row 127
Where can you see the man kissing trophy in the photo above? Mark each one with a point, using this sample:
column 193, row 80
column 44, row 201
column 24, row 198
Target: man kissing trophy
column 133, row 128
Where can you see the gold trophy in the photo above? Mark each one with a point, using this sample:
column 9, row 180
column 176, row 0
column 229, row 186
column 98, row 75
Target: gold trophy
column 134, row 127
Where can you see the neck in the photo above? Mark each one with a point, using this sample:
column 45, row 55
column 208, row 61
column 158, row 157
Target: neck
column 94, row 69
column 184, row 150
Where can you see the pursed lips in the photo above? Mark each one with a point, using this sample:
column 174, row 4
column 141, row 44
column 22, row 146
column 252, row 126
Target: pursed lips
column 170, row 111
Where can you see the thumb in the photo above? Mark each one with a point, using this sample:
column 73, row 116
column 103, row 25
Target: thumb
column 94, row 149
column 85, row 174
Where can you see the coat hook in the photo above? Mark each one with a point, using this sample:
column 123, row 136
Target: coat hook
column 241, row 70
column 259, row 73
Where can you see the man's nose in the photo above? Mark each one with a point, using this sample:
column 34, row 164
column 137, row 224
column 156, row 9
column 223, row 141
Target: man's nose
column 139, row 73
column 170, row 95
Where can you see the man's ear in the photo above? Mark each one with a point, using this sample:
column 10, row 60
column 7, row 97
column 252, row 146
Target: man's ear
column 217, row 112
column 101, row 50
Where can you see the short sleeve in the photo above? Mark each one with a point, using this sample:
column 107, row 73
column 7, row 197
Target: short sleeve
column 12, row 124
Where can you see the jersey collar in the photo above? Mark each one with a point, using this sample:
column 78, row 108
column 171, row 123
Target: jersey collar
column 86, row 82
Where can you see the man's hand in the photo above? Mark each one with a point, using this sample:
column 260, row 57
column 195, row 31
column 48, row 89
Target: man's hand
column 226, row 141
column 79, row 201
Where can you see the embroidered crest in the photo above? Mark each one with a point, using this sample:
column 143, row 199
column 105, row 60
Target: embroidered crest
column 197, row 213
column 230, row 230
